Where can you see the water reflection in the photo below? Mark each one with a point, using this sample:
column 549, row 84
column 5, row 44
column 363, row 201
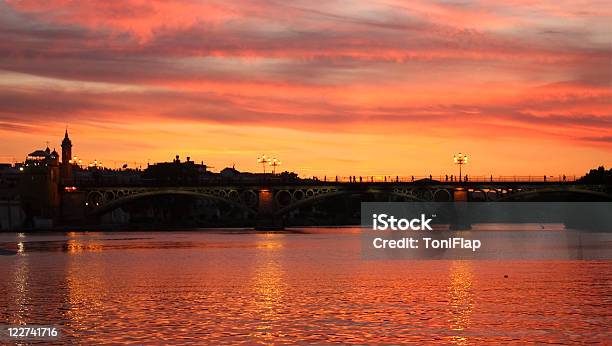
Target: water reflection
column 310, row 287
column 268, row 286
column 84, row 296
column 18, row 296
column 75, row 246
column 461, row 299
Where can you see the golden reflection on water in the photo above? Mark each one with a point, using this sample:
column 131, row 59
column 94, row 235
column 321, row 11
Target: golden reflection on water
column 19, row 296
column 267, row 285
column 77, row 244
column 85, row 290
column 290, row 288
column 74, row 246
column 461, row 299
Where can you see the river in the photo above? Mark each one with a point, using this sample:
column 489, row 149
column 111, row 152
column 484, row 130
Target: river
column 306, row 285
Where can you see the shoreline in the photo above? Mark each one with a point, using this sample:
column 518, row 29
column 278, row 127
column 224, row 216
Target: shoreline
column 158, row 228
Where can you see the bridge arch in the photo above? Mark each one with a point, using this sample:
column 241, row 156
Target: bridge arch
column 295, row 204
column 117, row 202
column 442, row 195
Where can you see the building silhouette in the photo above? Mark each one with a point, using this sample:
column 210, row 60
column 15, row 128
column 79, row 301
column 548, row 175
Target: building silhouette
column 66, row 159
column 39, row 188
column 176, row 172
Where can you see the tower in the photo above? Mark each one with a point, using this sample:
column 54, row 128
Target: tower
column 66, row 158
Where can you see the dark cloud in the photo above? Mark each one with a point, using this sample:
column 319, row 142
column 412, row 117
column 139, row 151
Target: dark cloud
column 604, row 139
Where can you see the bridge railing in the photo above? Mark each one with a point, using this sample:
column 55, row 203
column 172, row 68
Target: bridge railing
column 328, row 179
column 446, row 178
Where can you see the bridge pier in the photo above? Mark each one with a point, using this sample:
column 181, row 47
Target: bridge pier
column 266, row 219
column 460, row 195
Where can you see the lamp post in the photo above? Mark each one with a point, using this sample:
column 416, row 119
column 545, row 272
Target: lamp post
column 274, row 162
column 460, row 159
column 263, row 160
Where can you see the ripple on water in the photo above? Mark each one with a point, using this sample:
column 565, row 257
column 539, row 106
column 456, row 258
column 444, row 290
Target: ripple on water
column 282, row 288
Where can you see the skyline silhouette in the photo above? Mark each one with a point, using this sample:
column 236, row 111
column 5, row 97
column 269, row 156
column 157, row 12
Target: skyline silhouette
column 442, row 174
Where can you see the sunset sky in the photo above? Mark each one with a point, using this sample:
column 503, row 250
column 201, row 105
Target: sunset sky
column 329, row 87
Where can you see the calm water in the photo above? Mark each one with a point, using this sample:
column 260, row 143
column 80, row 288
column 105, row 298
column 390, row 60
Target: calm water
column 310, row 286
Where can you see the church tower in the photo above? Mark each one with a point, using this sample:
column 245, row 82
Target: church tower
column 66, row 158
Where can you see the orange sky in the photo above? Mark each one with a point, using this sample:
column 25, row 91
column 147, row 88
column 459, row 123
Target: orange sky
column 329, row 87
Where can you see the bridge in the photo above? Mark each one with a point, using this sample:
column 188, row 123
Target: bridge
column 270, row 202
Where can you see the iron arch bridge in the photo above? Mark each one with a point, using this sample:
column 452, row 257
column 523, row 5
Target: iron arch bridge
column 279, row 200
column 99, row 201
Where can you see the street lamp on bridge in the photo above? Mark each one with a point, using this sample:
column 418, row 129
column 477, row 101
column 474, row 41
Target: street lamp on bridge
column 460, row 159
column 263, row 160
column 274, row 162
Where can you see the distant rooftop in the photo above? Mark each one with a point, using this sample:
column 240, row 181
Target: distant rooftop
column 39, row 153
